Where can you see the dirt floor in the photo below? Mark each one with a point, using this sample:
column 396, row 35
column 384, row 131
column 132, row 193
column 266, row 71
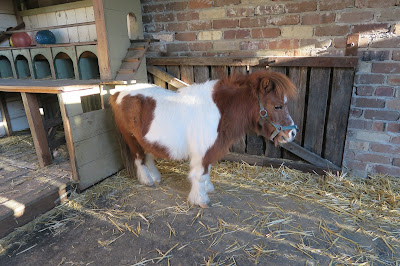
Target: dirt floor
column 257, row 215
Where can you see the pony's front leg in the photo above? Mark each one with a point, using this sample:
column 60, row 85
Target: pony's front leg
column 198, row 193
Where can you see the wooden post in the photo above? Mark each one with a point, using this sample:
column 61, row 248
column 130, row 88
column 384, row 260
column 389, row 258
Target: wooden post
column 37, row 129
column 4, row 114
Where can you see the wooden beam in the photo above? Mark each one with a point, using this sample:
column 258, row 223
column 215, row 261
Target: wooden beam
column 158, row 72
column 52, row 27
column 37, row 129
column 352, row 45
column 4, row 114
column 103, row 53
column 310, row 61
column 309, row 156
column 276, row 163
column 4, row 35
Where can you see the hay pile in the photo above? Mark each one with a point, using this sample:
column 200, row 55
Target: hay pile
column 367, row 207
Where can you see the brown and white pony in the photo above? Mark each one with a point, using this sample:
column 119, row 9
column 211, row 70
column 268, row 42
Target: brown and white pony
column 200, row 123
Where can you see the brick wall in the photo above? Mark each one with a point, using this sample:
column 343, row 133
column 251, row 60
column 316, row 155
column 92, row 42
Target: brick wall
column 302, row 28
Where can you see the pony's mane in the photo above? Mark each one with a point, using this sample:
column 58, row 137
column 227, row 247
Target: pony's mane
column 282, row 85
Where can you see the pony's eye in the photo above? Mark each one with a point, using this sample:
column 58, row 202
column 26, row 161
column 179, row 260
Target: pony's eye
column 278, row 107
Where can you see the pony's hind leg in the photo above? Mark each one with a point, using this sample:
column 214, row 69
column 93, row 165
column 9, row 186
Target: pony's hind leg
column 209, row 185
column 154, row 173
column 198, row 193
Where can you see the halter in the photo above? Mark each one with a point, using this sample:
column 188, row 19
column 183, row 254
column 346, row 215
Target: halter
column 278, row 128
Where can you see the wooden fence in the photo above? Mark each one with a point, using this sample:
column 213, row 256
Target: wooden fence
column 321, row 110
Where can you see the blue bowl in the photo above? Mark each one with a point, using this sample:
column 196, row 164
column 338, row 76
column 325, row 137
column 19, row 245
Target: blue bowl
column 45, row 37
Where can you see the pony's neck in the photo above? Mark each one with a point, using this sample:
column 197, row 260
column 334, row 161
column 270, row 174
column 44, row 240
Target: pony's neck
column 238, row 107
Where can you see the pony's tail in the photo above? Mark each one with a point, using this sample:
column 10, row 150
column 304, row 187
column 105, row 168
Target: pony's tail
column 126, row 157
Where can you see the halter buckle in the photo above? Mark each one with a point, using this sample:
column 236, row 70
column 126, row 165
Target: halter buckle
column 263, row 113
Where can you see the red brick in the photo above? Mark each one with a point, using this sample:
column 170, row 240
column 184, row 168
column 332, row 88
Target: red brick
column 147, row 19
column 195, row 4
column 226, row 2
column 311, row 19
column 236, row 34
column 355, row 112
column 369, row 103
column 387, row 169
column 373, row 55
column 335, row 4
column 284, row 44
column 176, row 26
column 375, row 3
column 393, row 127
column 265, row 33
column 384, row 91
column 391, row 14
column 249, row 23
column 225, row 23
column 355, row 165
column 185, row 36
column 299, row 7
column 371, row 28
column 164, row 17
column 177, row 47
column 396, row 55
column 381, row 115
column 355, row 17
column 339, row 43
column 360, row 124
column 393, row 104
column 240, row 12
column 334, row 30
column 176, row 6
column 384, row 148
column 153, row 8
column 151, row 28
column 364, row 91
column 200, row 46
column 395, row 140
column 374, row 158
column 396, row 162
column 253, row 45
column 269, row 10
column 186, row 16
column 393, row 42
column 394, row 79
column 386, row 68
column 370, row 78
column 199, row 25
column 284, row 20
column 378, row 126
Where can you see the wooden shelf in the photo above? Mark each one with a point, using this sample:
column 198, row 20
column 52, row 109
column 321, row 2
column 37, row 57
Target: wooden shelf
column 50, row 45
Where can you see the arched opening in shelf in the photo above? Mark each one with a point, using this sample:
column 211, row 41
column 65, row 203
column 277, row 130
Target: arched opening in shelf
column 41, row 67
column 22, row 67
column 5, row 67
column 88, row 66
column 63, row 66
column 133, row 29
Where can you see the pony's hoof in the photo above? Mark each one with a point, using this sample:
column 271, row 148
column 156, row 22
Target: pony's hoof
column 204, row 205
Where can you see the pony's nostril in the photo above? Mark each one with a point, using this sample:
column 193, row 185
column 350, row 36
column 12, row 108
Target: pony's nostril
column 293, row 133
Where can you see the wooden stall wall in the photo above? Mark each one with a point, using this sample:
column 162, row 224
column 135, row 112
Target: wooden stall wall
column 321, row 110
column 7, row 18
column 15, row 110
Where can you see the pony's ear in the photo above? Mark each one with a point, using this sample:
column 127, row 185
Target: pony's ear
column 265, row 85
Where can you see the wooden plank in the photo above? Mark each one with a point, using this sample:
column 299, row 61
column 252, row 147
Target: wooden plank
column 342, row 86
column 72, row 31
column 273, row 162
column 68, row 136
column 187, row 74
column 37, row 130
column 164, row 76
column 158, row 81
column 173, row 71
column 309, row 156
column 54, row 27
column 352, row 45
column 103, row 51
column 326, row 61
column 316, row 109
column 219, row 72
column 5, row 115
column 201, row 74
column 55, row 8
column 322, row 61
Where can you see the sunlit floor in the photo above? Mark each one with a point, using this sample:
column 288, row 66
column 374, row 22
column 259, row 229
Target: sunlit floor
column 25, row 189
column 257, row 216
